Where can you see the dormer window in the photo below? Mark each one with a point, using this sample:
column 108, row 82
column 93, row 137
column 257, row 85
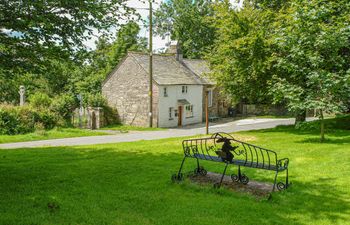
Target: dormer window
column 184, row 89
column 165, row 91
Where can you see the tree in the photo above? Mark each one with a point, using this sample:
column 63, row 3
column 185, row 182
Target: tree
column 42, row 42
column 31, row 32
column 240, row 59
column 186, row 21
column 107, row 56
column 312, row 60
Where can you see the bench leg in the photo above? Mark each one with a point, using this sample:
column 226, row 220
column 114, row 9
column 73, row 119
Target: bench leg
column 182, row 163
column 217, row 185
column 179, row 176
column 274, row 183
column 200, row 169
column 281, row 186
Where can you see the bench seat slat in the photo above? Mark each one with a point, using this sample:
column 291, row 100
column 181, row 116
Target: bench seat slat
column 238, row 162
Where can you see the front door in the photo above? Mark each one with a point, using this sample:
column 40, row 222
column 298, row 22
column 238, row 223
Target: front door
column 179, row 123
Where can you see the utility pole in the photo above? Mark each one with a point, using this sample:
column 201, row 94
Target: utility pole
column 150, row 114
column 206, row 113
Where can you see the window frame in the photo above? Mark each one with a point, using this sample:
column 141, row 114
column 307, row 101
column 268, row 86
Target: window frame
column 184, row 89
column 170, row 113
column 210, row 97
column 189, row 111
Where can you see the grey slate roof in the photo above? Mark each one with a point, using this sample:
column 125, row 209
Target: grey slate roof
column 168, row 71
column 200, row 68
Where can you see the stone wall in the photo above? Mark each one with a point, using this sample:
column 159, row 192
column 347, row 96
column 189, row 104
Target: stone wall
column 126, row 89
column 220, row 105
column 261, row 109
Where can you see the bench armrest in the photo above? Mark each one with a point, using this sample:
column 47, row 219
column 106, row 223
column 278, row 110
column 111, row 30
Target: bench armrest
column 283, row 163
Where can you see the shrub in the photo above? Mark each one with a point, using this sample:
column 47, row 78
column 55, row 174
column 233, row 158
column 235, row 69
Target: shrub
column 110, row 114
column 63, row 106
column 96, row 100
column 40, row 100
column 21, row 120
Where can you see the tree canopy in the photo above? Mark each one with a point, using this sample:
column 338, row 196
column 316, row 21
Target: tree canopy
column 187, row 22
column 297, row 53
column 33, row 32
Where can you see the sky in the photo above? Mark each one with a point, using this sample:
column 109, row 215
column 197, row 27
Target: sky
column 158, row 42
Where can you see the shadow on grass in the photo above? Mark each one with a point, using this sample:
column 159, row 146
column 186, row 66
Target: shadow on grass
column 98, row 185
column 312, row 136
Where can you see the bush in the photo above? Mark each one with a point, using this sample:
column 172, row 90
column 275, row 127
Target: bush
column 110, row 115
column 40, row 100
column 21, row 120
column 63, row 106
column 96, row 100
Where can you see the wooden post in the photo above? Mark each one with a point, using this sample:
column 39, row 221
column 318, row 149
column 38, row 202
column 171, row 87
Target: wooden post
column 206, row 113
column 150, row 113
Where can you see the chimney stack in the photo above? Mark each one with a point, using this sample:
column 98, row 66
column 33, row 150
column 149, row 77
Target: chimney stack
column 175, row 48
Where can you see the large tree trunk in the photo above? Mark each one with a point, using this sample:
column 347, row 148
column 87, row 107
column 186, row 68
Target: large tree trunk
column 322, row 125
column 300, row 116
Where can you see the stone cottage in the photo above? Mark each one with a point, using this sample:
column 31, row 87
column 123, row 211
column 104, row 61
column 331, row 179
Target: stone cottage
column 179, row 87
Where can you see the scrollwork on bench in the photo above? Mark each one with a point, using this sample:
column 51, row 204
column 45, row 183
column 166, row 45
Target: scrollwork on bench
column 219, row 148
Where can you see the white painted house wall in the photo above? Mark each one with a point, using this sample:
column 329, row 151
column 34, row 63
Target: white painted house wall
column 194, row 95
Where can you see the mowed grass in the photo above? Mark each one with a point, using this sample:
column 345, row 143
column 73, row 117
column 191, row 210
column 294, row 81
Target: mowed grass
column 50, row 134
column 129, row 183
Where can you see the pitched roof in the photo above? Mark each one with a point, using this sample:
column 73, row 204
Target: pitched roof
column 200, row 68
column 168, row 71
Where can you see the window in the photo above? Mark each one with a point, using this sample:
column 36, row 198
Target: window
column 165, row 92
column 175, row 113
column 170, row 113
column 184, row 89
column 189, row 111
column 210, row 98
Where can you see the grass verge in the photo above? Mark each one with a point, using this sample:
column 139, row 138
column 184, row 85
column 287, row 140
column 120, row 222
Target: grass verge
column 50, row 134
column 129, row 183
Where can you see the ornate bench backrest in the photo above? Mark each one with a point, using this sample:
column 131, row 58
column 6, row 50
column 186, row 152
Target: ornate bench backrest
column 248, row 154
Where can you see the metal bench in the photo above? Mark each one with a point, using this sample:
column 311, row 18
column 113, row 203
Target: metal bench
column 223, row 148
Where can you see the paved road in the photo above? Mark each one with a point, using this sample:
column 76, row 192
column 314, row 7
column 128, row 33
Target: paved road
column 239, row 125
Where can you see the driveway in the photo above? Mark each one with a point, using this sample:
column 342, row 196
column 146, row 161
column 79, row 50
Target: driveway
column 233, row 126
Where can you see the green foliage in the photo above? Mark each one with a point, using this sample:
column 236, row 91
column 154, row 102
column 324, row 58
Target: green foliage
column 21, row 120
column 33, row 32
column 312, row 61
column 186, row 21
column 240, row 59
column 107, row 56
column 63, row 106
column 40, row 100
column 96, row 100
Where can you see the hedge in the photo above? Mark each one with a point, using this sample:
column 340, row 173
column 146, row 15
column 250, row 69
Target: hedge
column 21, row 120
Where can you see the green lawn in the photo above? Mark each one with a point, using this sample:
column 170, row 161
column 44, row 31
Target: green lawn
column 126, row 128
column 50, row 134
column 129, row 183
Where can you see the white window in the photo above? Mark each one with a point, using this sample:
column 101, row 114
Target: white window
column 170, row 113
column 184, row 89
column 210, row 98
column 189, row 111
column 165, row 92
